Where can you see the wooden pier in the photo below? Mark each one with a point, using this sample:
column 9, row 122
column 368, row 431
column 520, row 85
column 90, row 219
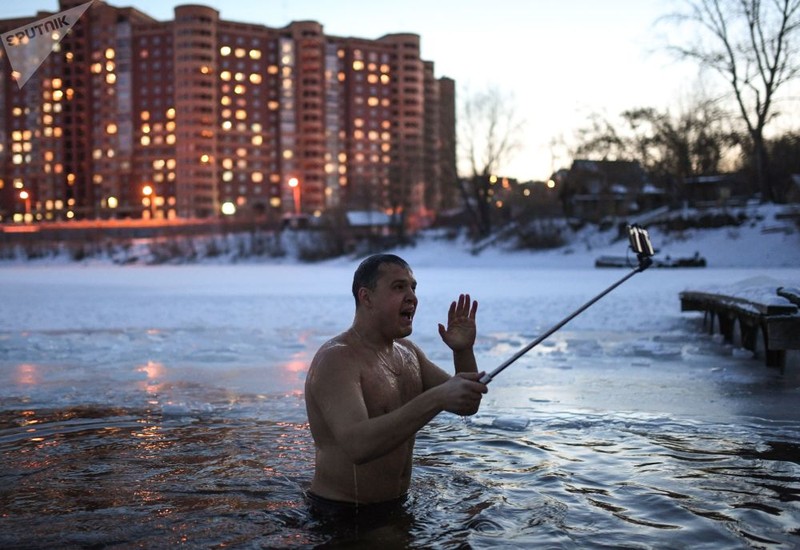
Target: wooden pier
column 758, row 318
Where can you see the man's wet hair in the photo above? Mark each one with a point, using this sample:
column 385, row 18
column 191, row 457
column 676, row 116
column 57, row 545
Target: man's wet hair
column 368, row 271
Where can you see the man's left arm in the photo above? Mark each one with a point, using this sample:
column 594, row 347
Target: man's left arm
column 459, row 335
column 460, row 332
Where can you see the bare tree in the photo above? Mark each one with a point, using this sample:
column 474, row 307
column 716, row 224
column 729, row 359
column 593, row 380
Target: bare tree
column 670, row 146
column 489, row 135
column 752, row 44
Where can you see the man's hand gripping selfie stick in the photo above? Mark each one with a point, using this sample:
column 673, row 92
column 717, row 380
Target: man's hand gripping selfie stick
column 640, row 243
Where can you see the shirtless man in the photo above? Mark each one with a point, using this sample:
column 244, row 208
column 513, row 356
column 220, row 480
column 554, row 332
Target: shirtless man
column 369, row 390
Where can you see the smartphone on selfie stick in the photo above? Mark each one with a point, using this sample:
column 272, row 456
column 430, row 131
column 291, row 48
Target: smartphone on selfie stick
column 640, row 243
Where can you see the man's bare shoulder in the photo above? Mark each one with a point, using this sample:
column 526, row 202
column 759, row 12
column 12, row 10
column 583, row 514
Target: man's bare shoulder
column 338, row 353
column 408, row 346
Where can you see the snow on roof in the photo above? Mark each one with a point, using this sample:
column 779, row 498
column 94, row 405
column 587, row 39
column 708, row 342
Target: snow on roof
column 368, row 218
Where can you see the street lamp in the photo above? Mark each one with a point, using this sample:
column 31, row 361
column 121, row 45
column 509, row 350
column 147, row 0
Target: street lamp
column 25, row 196
column 294, row 183
column 149, row 199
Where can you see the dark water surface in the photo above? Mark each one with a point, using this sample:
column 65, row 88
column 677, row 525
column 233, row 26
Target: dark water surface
column 233, row 475
column 94, row 477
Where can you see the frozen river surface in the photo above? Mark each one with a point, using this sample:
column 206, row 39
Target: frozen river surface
column 148, row 406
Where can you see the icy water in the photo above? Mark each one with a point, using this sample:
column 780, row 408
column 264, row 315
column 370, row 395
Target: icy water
column 152, row 407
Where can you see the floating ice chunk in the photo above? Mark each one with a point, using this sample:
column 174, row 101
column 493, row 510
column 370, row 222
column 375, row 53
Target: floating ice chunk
column 512, row 423
column 655, row 349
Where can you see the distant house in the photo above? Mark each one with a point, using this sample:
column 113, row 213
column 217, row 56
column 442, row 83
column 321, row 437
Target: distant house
column 597, row 189
column 370, row 226
column 719, row 189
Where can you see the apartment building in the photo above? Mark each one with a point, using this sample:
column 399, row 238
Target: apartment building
column 199, row 117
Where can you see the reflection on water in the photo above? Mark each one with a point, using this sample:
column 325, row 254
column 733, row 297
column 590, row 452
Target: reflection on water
column 95, row 476
column 153, row 438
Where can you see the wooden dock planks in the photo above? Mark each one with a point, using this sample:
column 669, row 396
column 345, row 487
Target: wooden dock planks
column 767, row 318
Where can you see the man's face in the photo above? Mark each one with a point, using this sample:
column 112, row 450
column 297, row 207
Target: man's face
column 394, row 300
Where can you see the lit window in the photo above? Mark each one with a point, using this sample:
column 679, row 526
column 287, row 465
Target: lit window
column 111, row 78
column 225, row 75
column 358, row 65
column 257, row 140
column 111, row 128
column 257, row 177
column 255, row 54
column 145, row 115
column 240, row 52
column 225, row 51
column 171, row 112
column 110, row 53
column 255, row 78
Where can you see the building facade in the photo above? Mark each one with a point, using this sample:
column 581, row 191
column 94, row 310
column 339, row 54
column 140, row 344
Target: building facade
column 199, row 116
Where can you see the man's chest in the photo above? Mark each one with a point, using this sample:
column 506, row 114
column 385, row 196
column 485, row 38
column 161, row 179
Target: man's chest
column 390, row 382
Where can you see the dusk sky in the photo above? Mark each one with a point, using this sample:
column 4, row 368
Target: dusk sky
column 560, row 61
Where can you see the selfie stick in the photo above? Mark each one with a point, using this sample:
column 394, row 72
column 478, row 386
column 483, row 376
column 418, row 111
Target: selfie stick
column 643, row 254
